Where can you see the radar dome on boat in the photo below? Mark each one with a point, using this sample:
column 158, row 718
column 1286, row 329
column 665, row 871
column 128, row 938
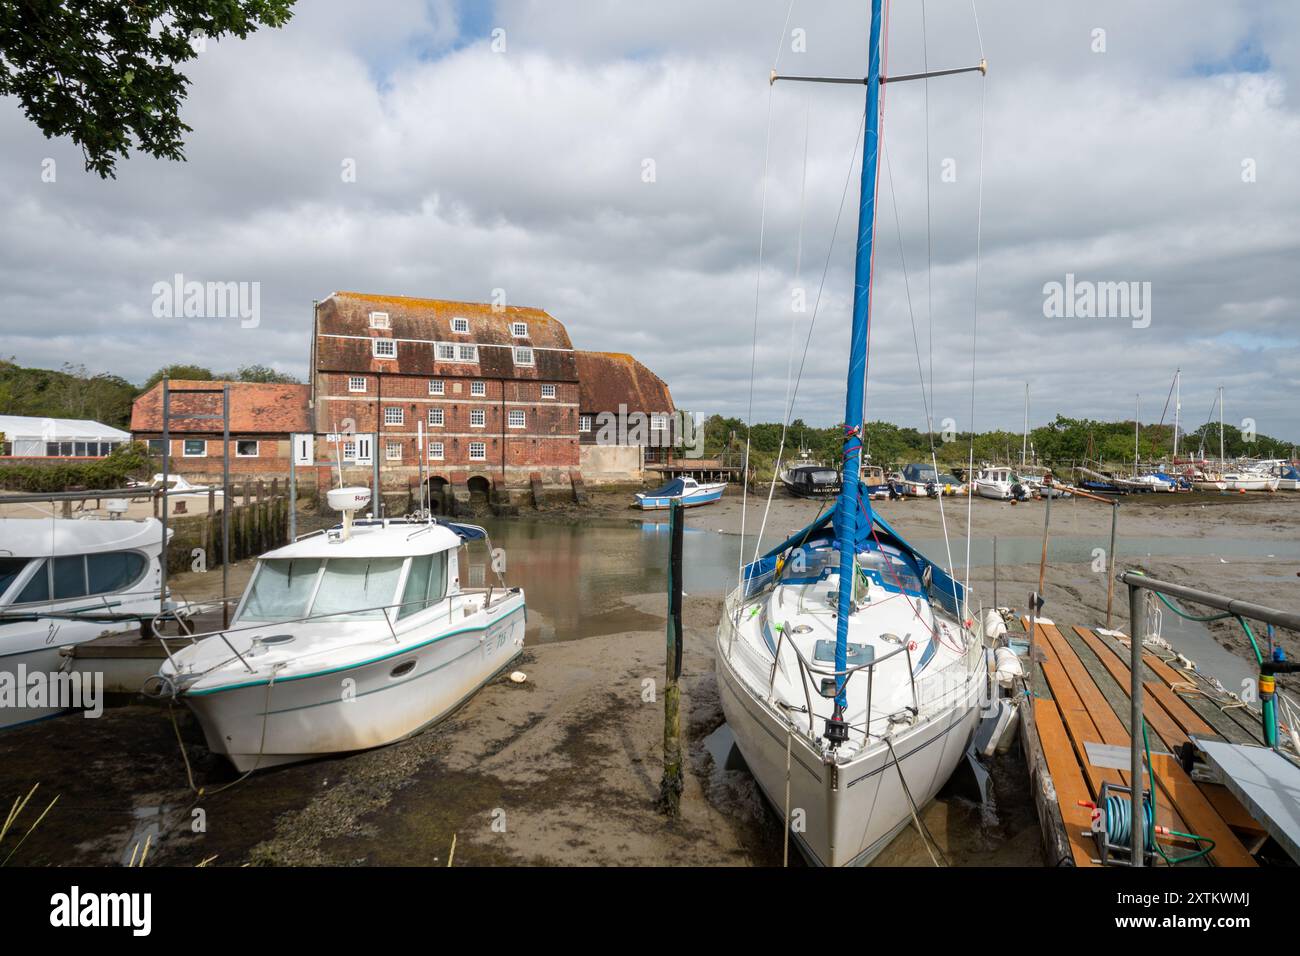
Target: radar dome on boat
column 348, row 499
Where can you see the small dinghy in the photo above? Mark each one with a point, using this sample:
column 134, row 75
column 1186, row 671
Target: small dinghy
column 346, row 639
column 686, row 490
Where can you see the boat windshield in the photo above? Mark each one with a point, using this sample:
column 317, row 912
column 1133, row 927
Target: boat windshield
column 893, row 570
column 350, row 589
column 826, row 477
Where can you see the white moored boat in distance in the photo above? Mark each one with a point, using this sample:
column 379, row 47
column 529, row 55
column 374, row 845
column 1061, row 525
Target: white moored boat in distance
column 346, row 640
column 996, row 483
column 847, row 670
column 65, row 581
column 1249, row 481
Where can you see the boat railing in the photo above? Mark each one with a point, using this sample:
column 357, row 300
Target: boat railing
column 223, row 633
column 809, row 669
column 930, row 692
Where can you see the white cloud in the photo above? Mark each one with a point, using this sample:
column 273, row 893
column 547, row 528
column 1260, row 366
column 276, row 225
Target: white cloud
column 522, row 170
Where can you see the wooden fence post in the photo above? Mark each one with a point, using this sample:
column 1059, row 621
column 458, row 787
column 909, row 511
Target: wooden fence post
column 670, row 788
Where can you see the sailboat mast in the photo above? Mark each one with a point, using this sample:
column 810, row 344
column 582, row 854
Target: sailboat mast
column 1024, row 445
column 1178, row 404
column 846, row 509
column 1221, row 458
column 1137, row 418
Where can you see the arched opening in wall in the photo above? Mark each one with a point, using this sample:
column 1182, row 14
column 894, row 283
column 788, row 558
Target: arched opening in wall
column 480, row 490
column 438, row 490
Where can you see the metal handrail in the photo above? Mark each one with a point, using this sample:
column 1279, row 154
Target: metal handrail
column 261, row 625
column 1256, row 612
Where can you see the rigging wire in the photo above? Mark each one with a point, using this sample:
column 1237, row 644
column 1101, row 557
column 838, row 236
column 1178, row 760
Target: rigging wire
column 975, row 317
column 889, row 171
column 789, row 371
column 826, row 266
column 758, row 285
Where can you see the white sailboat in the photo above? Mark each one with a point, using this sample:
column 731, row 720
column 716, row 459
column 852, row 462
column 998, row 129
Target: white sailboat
column 847, row 674
column 346, row 640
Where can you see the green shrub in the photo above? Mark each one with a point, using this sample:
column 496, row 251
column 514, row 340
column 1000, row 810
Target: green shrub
column 126, row 461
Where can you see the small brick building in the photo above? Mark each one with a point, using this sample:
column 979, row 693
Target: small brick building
column 263, row 416
column 495, row 390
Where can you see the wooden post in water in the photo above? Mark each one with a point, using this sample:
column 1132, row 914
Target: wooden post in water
column 670, row 788
column 1110, row 573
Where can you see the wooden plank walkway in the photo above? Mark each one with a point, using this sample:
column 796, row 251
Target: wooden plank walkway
column 1081, row 684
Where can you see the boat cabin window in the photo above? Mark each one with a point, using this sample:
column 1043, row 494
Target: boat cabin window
column 80, row 575
column 827, row 477
column 37, row 587
column 10, row 568
column 350, row 586
column 893, row 570
column 426, row 585
column 281, row 590
column 114, row 571
column 70, row 577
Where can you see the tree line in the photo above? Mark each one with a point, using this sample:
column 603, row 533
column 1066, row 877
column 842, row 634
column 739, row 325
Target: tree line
column 74, row 392
column 1061, row 441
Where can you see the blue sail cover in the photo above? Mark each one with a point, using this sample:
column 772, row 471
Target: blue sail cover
column 944, row 591
column 673, row 489
column 467, row 532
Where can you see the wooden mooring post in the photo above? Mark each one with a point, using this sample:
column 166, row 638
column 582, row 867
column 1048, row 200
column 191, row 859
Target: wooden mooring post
column 670, row 787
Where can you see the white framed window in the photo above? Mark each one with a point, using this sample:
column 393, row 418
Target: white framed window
column 437, row 387
column 393, row 450
column 658, row 421
column 379, row 320
column 523, row 355
column 478, row 451
column 519, row 330
column 467, row 353
column 245, row 448
column 436, row 417
column 356, row 383
column 435, row 451
column 584, row 423
column 445, row 352
column 350, row 450
column 394, row 415
column 460, row 325
column 517, row 418
column 478, row 389
column 548, row 391
column 195, row 448
column 384, row 348
column 477, row 418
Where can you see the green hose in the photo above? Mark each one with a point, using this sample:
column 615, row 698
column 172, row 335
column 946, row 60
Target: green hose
column 1151, row 770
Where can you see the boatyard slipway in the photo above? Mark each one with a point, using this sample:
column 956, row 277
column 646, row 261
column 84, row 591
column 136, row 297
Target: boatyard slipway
column 564, row 768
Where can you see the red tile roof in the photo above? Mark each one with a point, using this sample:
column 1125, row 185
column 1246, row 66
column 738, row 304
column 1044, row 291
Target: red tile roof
column 344, row 333
column 608, row 379
column 255, row 408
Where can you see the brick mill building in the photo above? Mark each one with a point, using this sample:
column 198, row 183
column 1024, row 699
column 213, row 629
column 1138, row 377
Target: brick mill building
column 494, row 388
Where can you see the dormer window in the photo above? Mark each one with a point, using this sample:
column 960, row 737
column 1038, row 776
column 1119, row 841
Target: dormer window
column 519, row 330
column 523, row 355
column 460, row 325
column 379, row 320
column 384, row 348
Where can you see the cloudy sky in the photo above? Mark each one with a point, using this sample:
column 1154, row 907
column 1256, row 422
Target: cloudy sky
column 1146, row 143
